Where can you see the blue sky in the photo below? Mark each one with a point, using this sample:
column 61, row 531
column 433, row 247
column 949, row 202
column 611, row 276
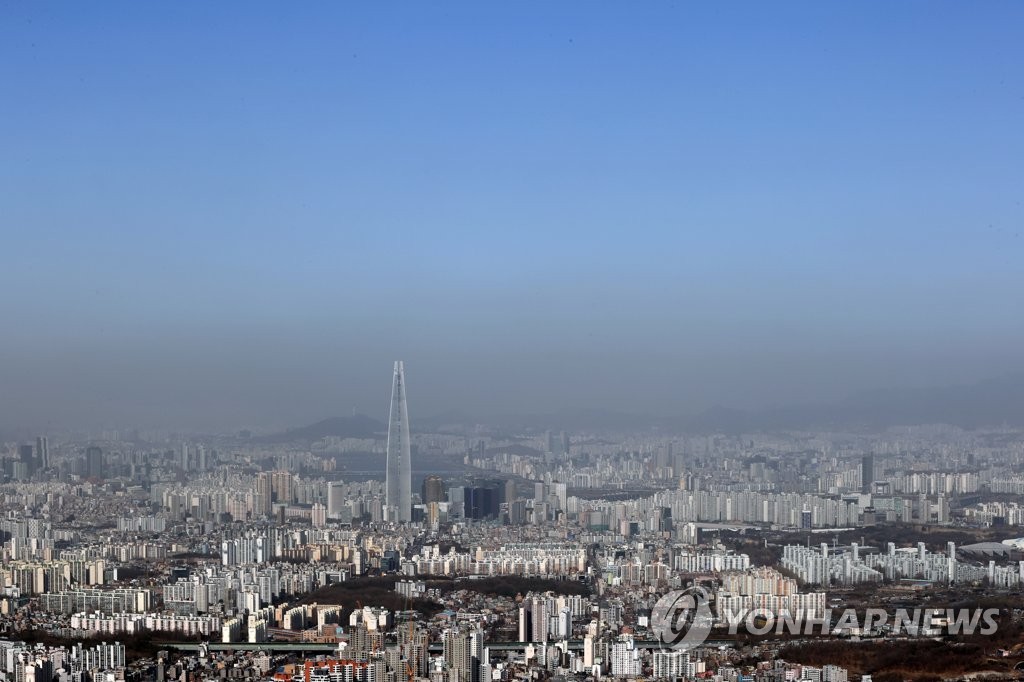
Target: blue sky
column 252, row 208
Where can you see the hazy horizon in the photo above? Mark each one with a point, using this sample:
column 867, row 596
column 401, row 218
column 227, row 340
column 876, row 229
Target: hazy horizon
column 217, row 219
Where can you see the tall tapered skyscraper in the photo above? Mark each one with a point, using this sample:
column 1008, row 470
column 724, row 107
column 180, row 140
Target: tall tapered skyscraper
column 399, row 466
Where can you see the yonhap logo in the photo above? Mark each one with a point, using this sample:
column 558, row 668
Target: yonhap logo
column 682, row 619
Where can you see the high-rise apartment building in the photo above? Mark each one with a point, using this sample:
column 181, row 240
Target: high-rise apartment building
column 94, row 463
column 867, row 472
column 433, row 489
column 43, row 452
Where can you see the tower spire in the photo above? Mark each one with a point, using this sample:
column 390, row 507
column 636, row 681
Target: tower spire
column 398, row 487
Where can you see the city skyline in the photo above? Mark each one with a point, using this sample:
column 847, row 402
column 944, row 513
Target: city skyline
column 715, row 313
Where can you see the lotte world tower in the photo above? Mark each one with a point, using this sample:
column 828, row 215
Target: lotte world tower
column 398, row 492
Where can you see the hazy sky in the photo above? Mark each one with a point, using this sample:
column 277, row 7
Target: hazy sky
column 241, row 213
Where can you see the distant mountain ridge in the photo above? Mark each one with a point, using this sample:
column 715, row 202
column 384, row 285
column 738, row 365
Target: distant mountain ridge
column 987, row 403
column 356, row 426
column 993, row 402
